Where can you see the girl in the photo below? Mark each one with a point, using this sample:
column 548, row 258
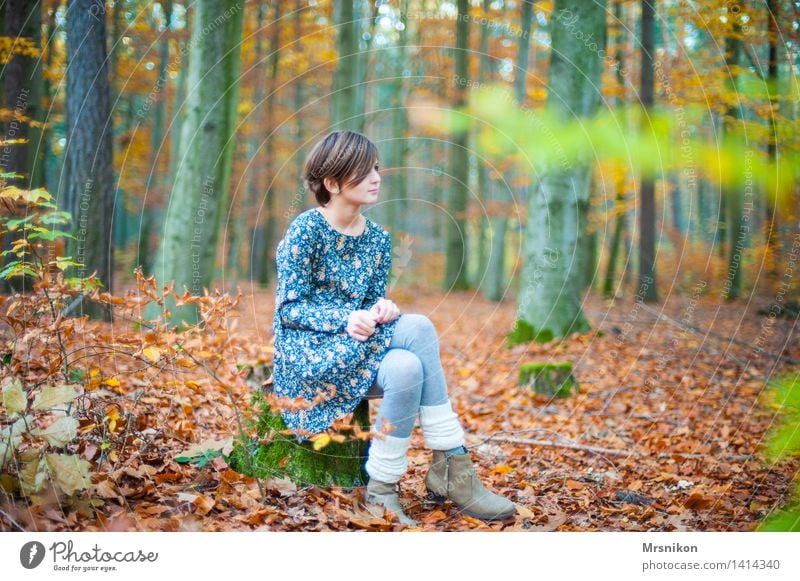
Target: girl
column 339, row 340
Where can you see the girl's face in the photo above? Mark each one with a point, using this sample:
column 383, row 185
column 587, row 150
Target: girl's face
column 365, row 192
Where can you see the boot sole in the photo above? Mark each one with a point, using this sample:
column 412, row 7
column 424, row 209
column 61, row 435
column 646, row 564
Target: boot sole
column 433, row 497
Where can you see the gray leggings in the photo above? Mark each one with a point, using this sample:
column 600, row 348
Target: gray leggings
column 410, row 374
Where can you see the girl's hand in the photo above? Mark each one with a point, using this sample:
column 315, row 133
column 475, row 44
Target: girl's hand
column 360, row 325
column 385, row 311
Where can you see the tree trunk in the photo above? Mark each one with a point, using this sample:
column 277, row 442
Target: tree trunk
column 609, row 288
column 345, row 78
column 22, row 86
column 398, row 144
column 155, row 179
column 647, row 222
column 456, row 259
column 484, row 184
column 191, row 224
column 495, row 283
column 88, row 162
column 737, row 230
column 551, row 288
column 620, row 210
column 771, row 217
column 275, row 455
column 261, row 171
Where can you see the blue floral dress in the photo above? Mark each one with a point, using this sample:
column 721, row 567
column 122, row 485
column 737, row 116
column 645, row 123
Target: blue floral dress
column 324, row 275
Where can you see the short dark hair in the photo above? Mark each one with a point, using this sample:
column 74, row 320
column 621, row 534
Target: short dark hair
column 345, row 156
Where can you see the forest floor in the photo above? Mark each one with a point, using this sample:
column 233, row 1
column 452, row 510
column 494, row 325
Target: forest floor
column 664, row 435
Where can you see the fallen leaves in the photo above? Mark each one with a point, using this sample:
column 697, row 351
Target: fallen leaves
column 703, row 428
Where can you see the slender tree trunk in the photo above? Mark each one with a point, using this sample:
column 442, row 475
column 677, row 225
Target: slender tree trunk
column 484, row 185
column 345, row 78
column 88, row 162
column 367, row 16
column 190, row 235
column 616, row 241
column 22, row 86
column 155, row 179
column 734, row 197
column 456, row 265
column 36, row 159
column 399, row 145
column 265, row 237
column 771, row 217
column 47, row 175
column 620, row 39
column 494, row 281
column 551, row 286
column 647, row 223
column 261, row 263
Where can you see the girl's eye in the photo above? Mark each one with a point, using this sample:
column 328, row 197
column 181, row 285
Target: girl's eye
column 377, row 167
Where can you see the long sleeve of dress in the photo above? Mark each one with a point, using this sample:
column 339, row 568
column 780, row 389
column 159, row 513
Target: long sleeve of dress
column 377, row 284
column 296, row 306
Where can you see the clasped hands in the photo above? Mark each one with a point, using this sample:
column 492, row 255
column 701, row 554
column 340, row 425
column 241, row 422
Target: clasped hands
column 361, row 323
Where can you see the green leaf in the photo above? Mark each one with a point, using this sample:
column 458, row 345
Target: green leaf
column 60, row 432
column 200, row 460
column 784, row 439
column 50, row 235
column 63, row 262
column 17, row 268
column 202, row 453
column 69, row 472
column 11, row 269
column 13, row 224
column 56, row 218
column 14, row 399
column 784, row 521
column 52, row 396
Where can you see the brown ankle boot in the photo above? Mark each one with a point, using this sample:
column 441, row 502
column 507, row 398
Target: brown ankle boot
column 382, row 495
column 452, row 477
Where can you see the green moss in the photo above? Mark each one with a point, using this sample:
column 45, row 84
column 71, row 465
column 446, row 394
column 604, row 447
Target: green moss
column 551, row 379
column 340, row 463
column 524, row 332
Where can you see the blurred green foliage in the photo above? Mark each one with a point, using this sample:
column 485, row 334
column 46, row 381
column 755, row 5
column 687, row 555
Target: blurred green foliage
column 783, row 442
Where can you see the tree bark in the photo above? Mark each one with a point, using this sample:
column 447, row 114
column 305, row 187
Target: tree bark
column 734, row 197
column 456, row 259
column 551, row 286
column 647, row 217
column 191, row 224
column 89, row 181
column 345, row 78
column 771, row 218
column 620, row 38
column 22, row 92
column 155, row 180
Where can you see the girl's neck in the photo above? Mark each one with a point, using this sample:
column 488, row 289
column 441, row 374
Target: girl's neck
column 344, row 217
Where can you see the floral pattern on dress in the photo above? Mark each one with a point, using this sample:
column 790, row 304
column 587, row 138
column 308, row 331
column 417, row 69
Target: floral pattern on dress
column 324, row 275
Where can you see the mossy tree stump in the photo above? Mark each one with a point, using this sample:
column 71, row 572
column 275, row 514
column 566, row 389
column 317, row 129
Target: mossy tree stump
column 276, row 454
column 550, row 379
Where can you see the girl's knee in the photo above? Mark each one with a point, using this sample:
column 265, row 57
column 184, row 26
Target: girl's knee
column 421, row 324
column 405, row 369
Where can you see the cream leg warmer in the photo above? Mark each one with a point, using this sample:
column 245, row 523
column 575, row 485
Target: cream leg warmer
column 387, row 459
column 440, row 426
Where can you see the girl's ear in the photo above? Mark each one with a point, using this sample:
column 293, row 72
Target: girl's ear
column 331, row 185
